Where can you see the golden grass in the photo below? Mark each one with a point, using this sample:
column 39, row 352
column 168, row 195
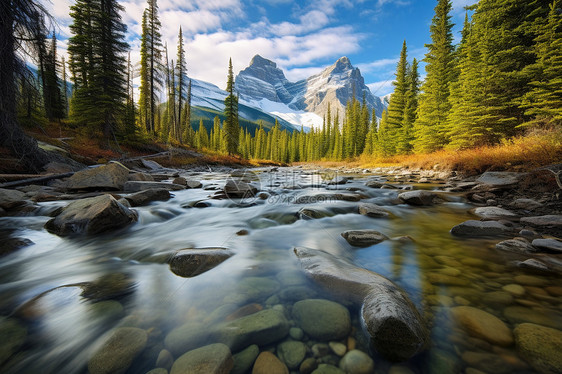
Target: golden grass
column 522, row 153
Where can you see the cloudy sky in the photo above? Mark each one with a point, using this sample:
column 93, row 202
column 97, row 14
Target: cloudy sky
column 303, row 37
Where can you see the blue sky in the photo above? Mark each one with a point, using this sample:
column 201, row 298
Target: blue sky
column 303, row 37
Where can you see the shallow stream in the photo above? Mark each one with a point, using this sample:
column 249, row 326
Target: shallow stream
column 60, row 328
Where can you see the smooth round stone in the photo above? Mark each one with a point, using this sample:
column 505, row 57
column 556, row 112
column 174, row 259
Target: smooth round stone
column 165, row 359
column 357, row 362
column 554, row 291
column 268, row 363
column 529, row 280
column 321, row 319
column 308, row 366
column 497, row 298
column 540, row 346
column 296, row 333
column 514, row 289
column 244, row 359
column 545, row 317
column 291, row 353
column 450, row 271
column 459, row 300
column 492, row 363
column 484, row 325
column 338, row 348
column 213, row 358
column 320, row 350
column 439, row 300
column 118, row 351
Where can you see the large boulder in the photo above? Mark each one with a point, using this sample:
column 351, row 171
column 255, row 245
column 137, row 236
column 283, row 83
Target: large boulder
column 419, row 197
column 106, row 177
column 211, row 359
column 192, row 262
column 480, row 228
column 117, row 353
column 500, row 179
column 10, row 199
column 551, row 220
column 321, row 319
column 147, row 196
column 91, row 216
column 395, row 326
column 540, row 346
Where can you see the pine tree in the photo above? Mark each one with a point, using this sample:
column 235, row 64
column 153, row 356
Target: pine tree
column 64, row 88
column 231, row 114
column 187, row 115
column 181, row 71
column 99, row 65
column 544, row 101
column 434, row 105
column 130, row 112
column 410, row 111
column 151, row 76
column 394, row 126
column 51, row 86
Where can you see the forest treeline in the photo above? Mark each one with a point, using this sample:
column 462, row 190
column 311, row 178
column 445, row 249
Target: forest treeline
column 505, row 75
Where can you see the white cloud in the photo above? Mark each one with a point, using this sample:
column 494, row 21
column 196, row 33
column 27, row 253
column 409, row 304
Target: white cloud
column 458, row 5
column 297, row 74
column 310, row 21
column 377, row 64
column 381, row 88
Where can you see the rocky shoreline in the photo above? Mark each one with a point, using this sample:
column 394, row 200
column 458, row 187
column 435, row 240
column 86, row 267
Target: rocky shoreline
column 522, row 212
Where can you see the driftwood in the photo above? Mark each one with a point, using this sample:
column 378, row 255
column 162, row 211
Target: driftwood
column 395, row 326
column 31, row 179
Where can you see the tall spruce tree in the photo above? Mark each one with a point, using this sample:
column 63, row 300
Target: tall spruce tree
column 410, row 111
column 181, row 71
column 434, row 105
column 543, row 103
column 51, row 84
column 99, row 64
column 151, row 66
column 394, row 126
column 231, row 114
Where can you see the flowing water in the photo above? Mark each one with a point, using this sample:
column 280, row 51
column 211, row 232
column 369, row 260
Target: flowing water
column 61, row 326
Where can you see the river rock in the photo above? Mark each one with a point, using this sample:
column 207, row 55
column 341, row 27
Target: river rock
column 136, row 186
column 192, row 183
column 261, row 328
column 498, row 298
column 165, row 360
column 245, row 359
column 548, row 245
column 312, row 213
column 419, row 197
column 374, row 184
column 543, row 221
column 147, row 196
column 484, row 325
column 500, row 179
column 308, row 366
column 117, row 353
column 540, row 346
column 338, row 180
column 137, row 176
column 480, row 228
column 517, row 245
column 491, row 363
column 267, row 363
column 210, row 359
column 533, row 264
column 291, row 353
column 188, row 336
column 91, row 216
column 327, row 197
column 396, row 328
column 191, row 262
column 13, row 337
column 239, row 189
column 357, row 362
column 10, row 199
column 108, row 286
column 112, row 176
column 492, row 212
column 528, row 204
column 322, row 319
column 328, row 369
column 363, row 238
column 514, row 289
column 545, row 317
column 372, row 210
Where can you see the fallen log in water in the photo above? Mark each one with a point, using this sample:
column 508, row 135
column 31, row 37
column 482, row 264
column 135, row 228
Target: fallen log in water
column 395, row 326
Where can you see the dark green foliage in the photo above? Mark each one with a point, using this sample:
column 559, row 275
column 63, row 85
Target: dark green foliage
column 231, row 135
column 98, row 65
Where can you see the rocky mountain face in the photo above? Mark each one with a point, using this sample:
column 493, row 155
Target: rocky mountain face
column 335, row 86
